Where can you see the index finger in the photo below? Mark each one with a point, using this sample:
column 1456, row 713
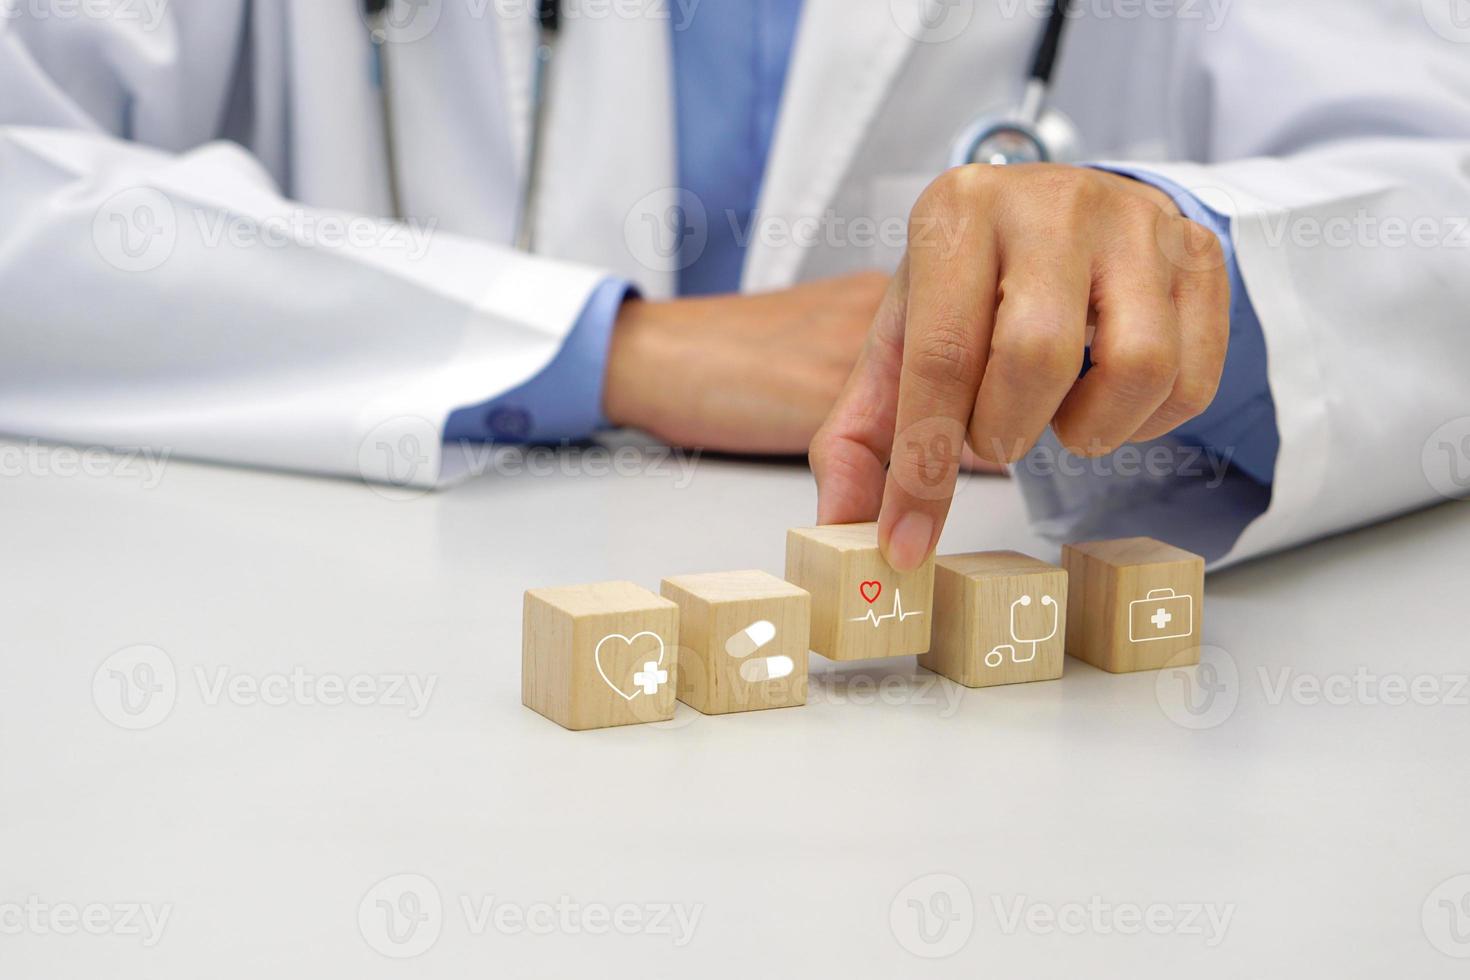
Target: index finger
column 947, row 328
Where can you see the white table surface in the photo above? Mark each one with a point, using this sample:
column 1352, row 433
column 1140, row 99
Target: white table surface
column 1330, row 833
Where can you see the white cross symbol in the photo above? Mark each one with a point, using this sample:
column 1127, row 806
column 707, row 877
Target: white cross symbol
column 1160, row 619
column 650, row 677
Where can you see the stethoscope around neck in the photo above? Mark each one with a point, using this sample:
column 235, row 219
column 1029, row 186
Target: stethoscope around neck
column 1030, row 133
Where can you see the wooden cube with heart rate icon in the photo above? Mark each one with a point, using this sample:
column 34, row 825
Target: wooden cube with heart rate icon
column 1135, row 604
column 861, row 607
column 743, row 640
column 595, row 656
column 999, row 618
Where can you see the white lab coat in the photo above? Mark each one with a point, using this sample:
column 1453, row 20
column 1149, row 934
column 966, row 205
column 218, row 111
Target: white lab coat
column 190, row 131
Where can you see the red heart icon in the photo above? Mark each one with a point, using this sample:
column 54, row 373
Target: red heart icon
column 871, row 590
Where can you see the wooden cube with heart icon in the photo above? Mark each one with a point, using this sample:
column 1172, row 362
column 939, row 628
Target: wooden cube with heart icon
column 999, row 618
column 595, row 656
column 1136, row 604
column 743, row 640
column 861, row 606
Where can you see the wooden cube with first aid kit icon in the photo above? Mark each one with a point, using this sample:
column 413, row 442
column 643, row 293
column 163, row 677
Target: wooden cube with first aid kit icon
column 595, row 656
column 743, row 640
column 999, row 618
column 1135, row 604
column 861, row 606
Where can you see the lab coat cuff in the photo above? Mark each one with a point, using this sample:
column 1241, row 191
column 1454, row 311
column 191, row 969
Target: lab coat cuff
column 564, row 401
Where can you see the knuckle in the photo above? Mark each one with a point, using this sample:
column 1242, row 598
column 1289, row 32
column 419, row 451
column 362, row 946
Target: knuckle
column 1038, row 350
column 1143, row 367
column 955, row 188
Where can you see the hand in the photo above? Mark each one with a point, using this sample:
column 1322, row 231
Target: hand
column 754, row 374
column 981, row 334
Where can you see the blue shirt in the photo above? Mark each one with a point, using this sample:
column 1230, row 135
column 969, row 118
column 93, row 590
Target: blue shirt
column 729, row 72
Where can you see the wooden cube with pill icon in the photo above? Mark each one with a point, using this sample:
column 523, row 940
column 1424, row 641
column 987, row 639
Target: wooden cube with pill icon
column 862, row 607
column 999, row 618
column 743, row 640
column 1135, row 604
column 600, row 655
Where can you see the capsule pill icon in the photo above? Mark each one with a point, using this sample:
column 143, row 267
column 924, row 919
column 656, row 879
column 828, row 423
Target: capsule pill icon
column 748, row 641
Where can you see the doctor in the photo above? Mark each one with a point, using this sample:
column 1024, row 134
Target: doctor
column 1275, row 270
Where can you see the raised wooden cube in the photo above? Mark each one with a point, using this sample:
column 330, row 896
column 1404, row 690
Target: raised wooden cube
column 743, row 640
column 999, row 618
column 861, row 607
column 595, row 656
column 1136, row 604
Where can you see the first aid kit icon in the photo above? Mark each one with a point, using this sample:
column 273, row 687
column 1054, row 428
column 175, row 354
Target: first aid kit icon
column 1161, row 615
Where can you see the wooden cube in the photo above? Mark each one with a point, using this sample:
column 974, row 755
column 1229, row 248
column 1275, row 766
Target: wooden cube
column 861, row 606
column 999, row 618
column 1136, row 604
column 594, row 656
column 743, row 640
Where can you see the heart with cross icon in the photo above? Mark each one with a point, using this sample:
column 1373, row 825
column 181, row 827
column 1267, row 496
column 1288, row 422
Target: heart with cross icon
column 636, row 662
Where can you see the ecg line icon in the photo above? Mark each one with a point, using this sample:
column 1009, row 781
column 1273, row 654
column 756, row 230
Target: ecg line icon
column 898, row 612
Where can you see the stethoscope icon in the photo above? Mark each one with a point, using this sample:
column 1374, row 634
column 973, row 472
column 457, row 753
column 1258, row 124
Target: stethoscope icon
column 996, row 657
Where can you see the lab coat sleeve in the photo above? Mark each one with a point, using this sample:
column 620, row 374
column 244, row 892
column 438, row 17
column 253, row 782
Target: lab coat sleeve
column 162, row 292
column 1337, row 142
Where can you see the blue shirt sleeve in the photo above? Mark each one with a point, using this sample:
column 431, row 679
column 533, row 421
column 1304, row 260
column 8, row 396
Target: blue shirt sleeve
column 564, row 401
column 1241, row 422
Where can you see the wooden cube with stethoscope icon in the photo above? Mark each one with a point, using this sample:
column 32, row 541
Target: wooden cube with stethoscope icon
column 999, row 618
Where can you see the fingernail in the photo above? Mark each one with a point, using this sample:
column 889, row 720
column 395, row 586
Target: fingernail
column 908, row 546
